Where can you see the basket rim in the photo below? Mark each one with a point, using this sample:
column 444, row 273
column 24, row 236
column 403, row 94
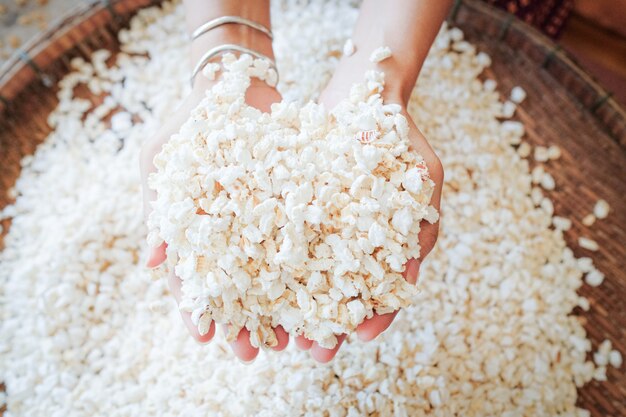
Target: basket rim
column 23, row 55
column 554, row 49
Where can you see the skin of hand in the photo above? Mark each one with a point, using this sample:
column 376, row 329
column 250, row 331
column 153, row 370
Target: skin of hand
column 259, row 95
column 408, row 27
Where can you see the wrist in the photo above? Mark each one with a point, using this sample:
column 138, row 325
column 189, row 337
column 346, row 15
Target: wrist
column 401, row 69
column 399, row 77
column 199, row 12
column 227, row 34
column 234, row 34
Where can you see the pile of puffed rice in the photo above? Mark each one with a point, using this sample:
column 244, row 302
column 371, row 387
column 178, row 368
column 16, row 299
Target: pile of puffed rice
column 85, row 331
column 284, row 218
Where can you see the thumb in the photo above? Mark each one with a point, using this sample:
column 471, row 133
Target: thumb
column 427, row 237
column 156, row 256
column 411, row 270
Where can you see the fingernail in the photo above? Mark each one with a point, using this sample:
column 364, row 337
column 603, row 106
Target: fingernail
column 245, row 362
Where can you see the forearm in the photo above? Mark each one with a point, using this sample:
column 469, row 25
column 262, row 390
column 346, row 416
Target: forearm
column 408, row 27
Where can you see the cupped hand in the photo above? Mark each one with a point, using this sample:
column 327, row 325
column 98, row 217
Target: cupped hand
column 259, row 95
column 336, row 90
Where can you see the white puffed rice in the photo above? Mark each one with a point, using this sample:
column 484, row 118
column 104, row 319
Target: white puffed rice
column 547, row 181
column 541, row 154
column 380, row 54
column 518, row 94
column 554, row 152
column 588, row 244
column 562, row 223
column 585, row 264
column 468, row 337
column 594, row 278
column 524, row 150
column 601, row 209
column 508, row 109
column 348, row 48
column 588, row 220
column 490, row 84
column 208, row 198
column 615, row 359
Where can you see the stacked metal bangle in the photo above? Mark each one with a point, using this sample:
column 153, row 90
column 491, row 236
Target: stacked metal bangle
column 212, row 24
column 220, row 49
column 228, row 47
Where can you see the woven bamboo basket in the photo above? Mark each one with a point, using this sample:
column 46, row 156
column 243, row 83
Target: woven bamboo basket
column 564, row 107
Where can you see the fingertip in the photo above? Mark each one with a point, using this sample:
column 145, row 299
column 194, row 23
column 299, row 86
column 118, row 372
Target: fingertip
column 157, row 256
column 193, row 329
column 206, row 338
column 247, row 356
column 366, row 336
column 371, row 328
column 283, row 338
column 242, row 348
column 303, row 343
column 323, row 355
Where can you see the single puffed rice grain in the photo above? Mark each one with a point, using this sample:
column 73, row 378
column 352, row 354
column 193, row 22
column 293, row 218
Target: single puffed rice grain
column 588, row 220
column 380, row 54
column 601, row 209
column 588, row 244
column 615, row 359
column 594, row 278
column 541, row 154
column 554, row 152
column 518, row 94
column 348, row 48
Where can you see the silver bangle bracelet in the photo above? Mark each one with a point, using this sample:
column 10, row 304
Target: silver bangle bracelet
column 212, row 24
column 229, row 47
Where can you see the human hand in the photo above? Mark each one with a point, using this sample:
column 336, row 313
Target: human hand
column 259, row 95
column 348, row 72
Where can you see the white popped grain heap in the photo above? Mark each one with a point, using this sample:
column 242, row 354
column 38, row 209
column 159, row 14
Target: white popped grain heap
column 84, row 331
column 284, row 218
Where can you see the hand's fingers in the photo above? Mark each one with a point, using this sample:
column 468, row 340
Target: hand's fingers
column 303, row 343
column 242, row 347
column 156, row 256
column 429, row 232
column 174, row 284
column 372, row 327
column 283, row 338
column 411, row 270
column 427, row 237
column 325, row 355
